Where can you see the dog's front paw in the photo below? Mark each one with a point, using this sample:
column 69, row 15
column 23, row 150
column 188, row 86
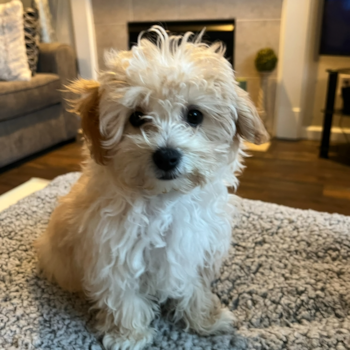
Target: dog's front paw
column 131, row 341
column 224, row 322
column 219, row 322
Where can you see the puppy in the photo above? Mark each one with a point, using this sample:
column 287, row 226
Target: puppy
column 149, row 219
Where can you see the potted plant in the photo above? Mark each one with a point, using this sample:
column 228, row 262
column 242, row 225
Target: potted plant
column 265, row 63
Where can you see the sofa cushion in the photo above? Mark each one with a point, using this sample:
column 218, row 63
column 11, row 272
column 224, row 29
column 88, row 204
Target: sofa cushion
column 14, row 60
column 21, row 97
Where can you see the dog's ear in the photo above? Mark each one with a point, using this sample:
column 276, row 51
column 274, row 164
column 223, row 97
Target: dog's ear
column 87, row 107
column 249, row 124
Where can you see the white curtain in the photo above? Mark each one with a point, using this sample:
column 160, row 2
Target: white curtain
column 47, row 31
column 62, row 21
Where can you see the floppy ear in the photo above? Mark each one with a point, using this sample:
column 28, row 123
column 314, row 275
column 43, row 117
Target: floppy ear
column 249, row 124
column 87, row 107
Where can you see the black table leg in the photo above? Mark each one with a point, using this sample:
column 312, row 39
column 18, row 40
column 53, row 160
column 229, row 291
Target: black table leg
column 328, row 115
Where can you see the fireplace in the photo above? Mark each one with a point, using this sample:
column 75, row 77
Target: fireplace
column 216, row 30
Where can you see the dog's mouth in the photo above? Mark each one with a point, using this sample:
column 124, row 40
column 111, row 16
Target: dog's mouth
column 169, row 176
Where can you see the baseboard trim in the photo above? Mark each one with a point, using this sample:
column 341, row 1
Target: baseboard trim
column 314, row 132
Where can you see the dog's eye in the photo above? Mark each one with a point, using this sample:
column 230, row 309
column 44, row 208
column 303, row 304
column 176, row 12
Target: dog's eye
column 194, row 117
column 136, row 120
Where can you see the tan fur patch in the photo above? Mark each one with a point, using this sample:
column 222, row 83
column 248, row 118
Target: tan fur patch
column 87, row 106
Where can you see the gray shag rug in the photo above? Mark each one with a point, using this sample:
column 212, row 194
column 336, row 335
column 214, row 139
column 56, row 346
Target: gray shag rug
column 287, row 280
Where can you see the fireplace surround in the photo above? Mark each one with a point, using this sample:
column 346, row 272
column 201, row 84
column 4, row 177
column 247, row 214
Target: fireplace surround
column 216, row 30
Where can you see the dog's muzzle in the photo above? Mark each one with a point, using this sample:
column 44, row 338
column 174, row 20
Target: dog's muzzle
column 167, row 160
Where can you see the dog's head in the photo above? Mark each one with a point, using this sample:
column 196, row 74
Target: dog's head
column 167, row 115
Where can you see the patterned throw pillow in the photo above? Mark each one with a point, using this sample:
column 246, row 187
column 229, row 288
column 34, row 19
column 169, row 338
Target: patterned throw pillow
column 13, row 57
column 31, row 37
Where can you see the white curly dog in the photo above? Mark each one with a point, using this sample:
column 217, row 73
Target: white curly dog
column 149, row 220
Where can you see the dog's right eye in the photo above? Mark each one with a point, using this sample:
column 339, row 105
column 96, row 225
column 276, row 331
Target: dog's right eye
column 136, row 120
column 194, row 117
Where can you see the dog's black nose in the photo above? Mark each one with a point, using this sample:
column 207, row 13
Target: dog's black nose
column 166, row 158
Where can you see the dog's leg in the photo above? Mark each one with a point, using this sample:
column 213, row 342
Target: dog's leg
column 202, row 312
column 56, row 253
column 126, row 325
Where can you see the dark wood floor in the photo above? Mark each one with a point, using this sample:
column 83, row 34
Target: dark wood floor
column 289, row 173
column 292, row 174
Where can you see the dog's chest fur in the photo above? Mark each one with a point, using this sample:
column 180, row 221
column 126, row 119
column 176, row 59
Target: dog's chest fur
column 162, row 243
column 178, row 236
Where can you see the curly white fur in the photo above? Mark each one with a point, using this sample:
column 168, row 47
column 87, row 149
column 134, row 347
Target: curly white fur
column 127, row 239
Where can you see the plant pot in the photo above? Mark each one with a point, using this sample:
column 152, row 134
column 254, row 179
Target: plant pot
column 263, row 100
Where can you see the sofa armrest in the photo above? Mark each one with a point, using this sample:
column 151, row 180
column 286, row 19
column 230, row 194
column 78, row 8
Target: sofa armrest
column 58, row 58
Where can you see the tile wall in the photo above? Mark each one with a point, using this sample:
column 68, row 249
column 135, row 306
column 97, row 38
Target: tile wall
column 257, row 26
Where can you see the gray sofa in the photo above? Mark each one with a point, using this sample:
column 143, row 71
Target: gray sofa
column 33, row 113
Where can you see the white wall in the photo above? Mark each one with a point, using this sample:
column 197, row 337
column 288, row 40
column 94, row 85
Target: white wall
column 85, row 41
column 302, row 76
column 298, row 67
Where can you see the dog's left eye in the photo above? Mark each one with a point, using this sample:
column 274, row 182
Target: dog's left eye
column 194, row 117
column 136, row 120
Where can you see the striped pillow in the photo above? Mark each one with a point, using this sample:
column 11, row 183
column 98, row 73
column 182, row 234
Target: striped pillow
column 31, row 37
